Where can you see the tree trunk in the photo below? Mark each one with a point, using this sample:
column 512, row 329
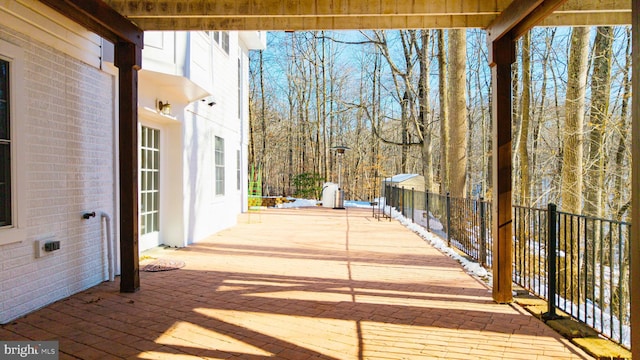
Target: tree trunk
column 599, row 115
column 595, row 161
column 444, row 114
column 404, row 132
column 571, row 175
column 624, row 127
column 540, row 118
column 263, row 125
column 323, row 111
column 375, row 102
column 525, row 113
column 423, row 90
column 458, row 114
column 622, row 211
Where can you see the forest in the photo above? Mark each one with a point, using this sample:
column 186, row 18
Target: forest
column 419, row 101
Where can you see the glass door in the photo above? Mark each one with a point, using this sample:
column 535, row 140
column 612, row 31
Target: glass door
column 149, row 188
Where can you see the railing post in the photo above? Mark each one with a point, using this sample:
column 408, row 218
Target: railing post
column 391, row 189
column 426, row 205
column 483, row 233
column 390, row 200
column 394, row 191
column 413, row 210
column 402, row 201
column 387, row 198
column 551, row 262
column 448, row 219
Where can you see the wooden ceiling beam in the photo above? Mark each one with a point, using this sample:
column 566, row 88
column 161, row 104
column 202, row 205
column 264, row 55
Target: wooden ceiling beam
column 535, row 17
column 611, row 18
column 239, row 8
column 135, row 9
column 595, row 6
column 513, row 15
column 312, row 23
column 366, row 22
column 518, row 18
column 99, row 18
column 351, row 15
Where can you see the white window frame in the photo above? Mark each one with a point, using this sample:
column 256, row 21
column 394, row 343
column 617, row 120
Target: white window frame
column 219, row 174
column 240, row 86
column 225, row 40
column 238, row 170
column 156, row 193
column 16, row 232
column 222, row 39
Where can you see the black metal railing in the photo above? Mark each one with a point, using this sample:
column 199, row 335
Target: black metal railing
column 579, row 264
column 530, row 244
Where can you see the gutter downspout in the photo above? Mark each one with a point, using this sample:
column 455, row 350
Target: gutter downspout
column 110, row 246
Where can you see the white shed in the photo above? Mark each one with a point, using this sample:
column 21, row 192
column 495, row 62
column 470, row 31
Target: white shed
column 409, row 181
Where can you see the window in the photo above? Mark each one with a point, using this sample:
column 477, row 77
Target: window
column 225, row 41
column 219, row 163
column 12, row 158
column 240, row 87
column 6, row 218
column 149, row 181
column 222, row 38
column 238, row 169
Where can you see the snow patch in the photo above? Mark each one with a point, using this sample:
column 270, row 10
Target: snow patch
column 591, row 313
column 357, row 204
column 469, row 266
column 298, row 203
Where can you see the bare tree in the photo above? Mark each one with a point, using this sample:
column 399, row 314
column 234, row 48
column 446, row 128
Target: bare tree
column 458, row 114
column 425, row 127
column 571, row 193
column 444, row 113
column 525, row 116
column 598, row 118
column 571, row 190
column 537, row 160
column 405, row 91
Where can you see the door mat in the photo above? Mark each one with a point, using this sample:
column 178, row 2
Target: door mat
column 153, row 265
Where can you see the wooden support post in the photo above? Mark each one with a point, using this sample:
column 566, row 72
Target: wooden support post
column 518, row 18
column 635, row 187
column 128, row 60
column 503, row 55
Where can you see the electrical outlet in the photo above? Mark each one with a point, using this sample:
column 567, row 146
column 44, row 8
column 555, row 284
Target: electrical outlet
column 45, row 246
column 52, row 246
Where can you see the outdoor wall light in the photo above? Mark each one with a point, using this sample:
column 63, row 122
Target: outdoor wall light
column 209, row 100
column 164, row 107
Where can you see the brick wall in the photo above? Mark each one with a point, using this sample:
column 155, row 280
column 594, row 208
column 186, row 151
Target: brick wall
column 68, row 142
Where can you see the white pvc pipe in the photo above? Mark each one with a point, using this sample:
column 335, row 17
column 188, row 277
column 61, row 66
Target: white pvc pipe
column 110, row 246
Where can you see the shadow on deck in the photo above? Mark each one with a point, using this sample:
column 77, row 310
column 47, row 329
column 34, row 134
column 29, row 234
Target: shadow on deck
column 307, row 283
